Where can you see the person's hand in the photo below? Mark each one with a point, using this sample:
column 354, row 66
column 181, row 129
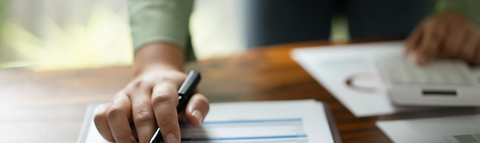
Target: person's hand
column 445, row 35
column 150, row 100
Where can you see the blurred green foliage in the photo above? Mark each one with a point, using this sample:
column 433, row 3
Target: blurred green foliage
column 2, row 11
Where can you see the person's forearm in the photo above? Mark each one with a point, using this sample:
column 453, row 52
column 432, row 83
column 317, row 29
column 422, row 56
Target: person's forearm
column 158, row 56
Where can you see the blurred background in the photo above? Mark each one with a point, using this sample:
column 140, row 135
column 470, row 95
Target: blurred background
column 70, row 34
column 64, row 34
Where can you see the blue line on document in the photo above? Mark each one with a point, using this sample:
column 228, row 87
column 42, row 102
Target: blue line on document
column 243, row 138
column 248, row 121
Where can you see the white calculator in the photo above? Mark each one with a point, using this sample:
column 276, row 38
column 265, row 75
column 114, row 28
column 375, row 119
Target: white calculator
column 439, row 83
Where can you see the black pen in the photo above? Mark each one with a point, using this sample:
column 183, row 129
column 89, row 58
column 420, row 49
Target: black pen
column 184, row 94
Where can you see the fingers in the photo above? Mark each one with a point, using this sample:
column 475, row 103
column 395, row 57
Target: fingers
column 197, row 109
column 143, row 115
column 428, row 46
column 101, row 122
column 476, row 57
column 467, row 50
column 118, row 114
column 453, row 41
column 446, row 35
column 411, row 43
column 164, row 101
column 148, row 102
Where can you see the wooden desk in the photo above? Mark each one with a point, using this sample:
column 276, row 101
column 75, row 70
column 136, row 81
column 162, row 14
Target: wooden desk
column 50, row 106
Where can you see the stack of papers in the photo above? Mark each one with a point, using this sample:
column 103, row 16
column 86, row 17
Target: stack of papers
column 292, row 121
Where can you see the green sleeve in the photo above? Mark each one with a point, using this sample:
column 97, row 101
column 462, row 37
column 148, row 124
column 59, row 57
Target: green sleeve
column 471, row 8
column 154, row 21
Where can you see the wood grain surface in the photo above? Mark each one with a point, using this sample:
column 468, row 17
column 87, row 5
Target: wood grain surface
column 48, row 107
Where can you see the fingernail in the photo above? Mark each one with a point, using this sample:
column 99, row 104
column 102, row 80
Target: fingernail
column 171, row 138
column 420, row 59
column 198, row 115
column 411, row 56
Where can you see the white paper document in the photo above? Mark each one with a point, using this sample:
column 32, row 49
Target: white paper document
column 294, row 121
column 456, row 129
column 335, row 66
